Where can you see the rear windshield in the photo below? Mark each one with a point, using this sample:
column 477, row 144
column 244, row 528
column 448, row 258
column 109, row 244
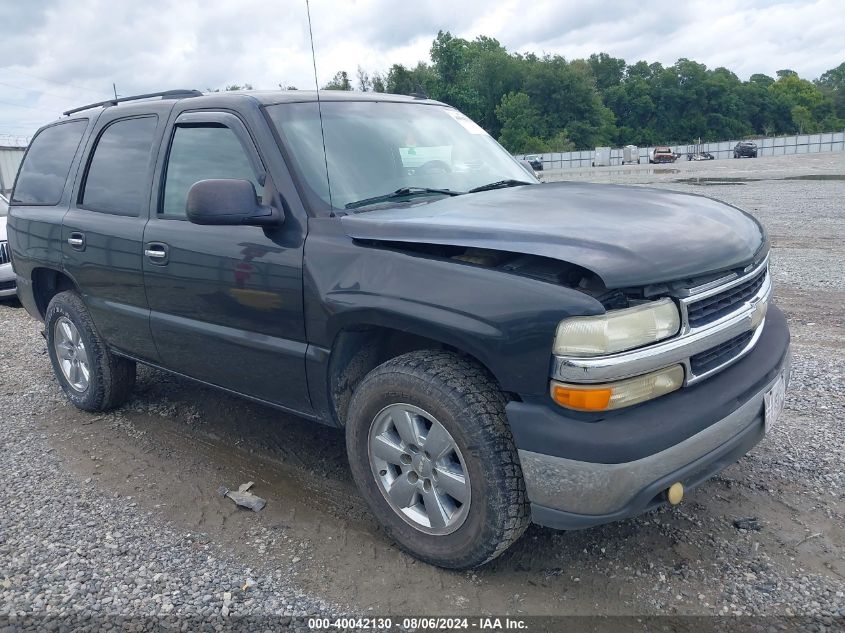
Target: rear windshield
column 47, row 162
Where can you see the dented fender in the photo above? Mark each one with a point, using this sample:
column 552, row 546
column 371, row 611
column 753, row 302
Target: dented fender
column 505, row 321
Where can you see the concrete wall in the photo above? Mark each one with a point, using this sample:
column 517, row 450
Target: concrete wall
column 766, row 146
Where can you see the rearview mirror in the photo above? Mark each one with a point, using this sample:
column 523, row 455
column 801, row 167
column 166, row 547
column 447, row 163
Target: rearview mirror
column 228, row 202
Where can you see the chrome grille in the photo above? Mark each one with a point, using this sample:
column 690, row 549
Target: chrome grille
column 719, row 355
column 715, row 306
column 5, row 253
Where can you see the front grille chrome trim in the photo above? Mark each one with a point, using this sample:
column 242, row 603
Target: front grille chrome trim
column 749, row 315
column 686, row 301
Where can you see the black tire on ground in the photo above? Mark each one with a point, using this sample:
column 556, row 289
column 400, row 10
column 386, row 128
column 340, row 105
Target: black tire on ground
column 111, row 377
column 463, row 397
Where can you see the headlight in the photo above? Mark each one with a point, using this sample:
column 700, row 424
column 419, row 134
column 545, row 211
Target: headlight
column 617, row 330
column 615, row 395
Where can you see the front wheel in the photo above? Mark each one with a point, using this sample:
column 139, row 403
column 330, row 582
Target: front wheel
column 92, row 378
column 430, row 449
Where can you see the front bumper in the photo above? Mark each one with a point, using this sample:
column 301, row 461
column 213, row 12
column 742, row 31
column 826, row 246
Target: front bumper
column 584, row 469
column 8, row 287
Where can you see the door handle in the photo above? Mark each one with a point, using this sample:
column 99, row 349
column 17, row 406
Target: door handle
column 156, row 251
column 76, row 241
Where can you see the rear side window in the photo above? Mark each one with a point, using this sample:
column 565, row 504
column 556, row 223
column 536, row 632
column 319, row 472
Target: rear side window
column 119, row 170
column 47, row 163
column 202, row 153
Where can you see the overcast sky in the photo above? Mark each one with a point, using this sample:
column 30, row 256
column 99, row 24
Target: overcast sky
column 55, row 54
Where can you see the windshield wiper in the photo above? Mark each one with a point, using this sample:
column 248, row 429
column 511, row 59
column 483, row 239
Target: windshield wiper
column 500, row 184
column 404, row 192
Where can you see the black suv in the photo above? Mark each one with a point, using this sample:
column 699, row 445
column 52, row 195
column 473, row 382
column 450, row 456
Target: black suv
column 745, row 149
column 496, row 350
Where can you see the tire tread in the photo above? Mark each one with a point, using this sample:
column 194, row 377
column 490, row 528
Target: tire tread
column 485, row 406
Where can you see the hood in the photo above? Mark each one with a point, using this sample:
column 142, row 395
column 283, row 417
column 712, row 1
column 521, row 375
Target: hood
column 628, row 236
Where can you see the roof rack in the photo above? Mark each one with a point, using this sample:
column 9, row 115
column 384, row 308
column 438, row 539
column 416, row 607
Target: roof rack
column 167, row 94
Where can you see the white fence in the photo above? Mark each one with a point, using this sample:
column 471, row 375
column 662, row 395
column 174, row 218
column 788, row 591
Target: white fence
column 766, row 146
column 10, row 160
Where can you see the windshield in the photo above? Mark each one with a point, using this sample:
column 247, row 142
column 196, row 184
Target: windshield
column 375, row 148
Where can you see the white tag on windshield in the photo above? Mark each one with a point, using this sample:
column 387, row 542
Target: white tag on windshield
column 468, row 124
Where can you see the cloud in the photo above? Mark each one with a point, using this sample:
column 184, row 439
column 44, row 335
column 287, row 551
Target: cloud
column 59, row 53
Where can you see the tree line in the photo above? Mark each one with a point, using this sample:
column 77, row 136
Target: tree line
column 542, row 104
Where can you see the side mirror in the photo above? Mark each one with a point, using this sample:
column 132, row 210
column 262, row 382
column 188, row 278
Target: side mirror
column 228, row 202
column 527, row 166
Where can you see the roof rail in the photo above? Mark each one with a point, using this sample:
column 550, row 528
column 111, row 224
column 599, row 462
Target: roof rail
column 167, row 94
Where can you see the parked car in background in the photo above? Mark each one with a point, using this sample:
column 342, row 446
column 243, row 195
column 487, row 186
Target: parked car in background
column 745, row 149
column 662, row 154
column 7, row 275
column 535, row 161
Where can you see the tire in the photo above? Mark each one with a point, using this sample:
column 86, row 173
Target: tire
column 441, row 388
column 109, row 379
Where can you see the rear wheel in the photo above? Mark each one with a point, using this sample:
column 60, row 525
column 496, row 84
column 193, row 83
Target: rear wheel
column 431, row 451
column 92, row 378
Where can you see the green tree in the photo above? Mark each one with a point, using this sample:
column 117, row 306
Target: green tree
column 231, row 88
column 832, row 85
column 790, row 91
column 339, row 82
column 521, row 124
column 803, row 119
column 548, row 103
column 378, row 82
column 365, row 84
column 608, row 71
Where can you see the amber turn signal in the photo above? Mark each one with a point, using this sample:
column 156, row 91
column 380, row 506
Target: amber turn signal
column 615, row 395
column 584, row 399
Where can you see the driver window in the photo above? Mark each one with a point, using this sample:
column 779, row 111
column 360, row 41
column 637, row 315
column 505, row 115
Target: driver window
column 201, row 153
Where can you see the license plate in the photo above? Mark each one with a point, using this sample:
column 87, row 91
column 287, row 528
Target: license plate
column 773, row 402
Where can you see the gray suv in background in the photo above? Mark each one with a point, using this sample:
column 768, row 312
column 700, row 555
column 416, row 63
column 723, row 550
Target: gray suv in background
column 745, row 149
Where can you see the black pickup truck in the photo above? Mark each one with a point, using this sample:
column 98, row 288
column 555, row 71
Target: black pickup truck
column 498, row 351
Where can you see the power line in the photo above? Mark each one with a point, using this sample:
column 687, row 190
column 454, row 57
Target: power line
column 20, row 105
column 53, row 81
column 49, row 94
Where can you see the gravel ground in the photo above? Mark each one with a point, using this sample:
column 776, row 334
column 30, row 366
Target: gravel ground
column 117, row 514
column 73, row 552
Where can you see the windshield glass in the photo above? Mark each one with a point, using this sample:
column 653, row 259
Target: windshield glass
column 374, row 148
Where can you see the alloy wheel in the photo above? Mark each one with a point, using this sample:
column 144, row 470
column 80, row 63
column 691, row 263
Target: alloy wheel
column 71, row 354
column 419, row 469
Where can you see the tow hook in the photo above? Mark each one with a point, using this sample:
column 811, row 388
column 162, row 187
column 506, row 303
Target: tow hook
column 675, row 493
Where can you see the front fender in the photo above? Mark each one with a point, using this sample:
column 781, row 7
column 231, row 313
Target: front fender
column 506, row 321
